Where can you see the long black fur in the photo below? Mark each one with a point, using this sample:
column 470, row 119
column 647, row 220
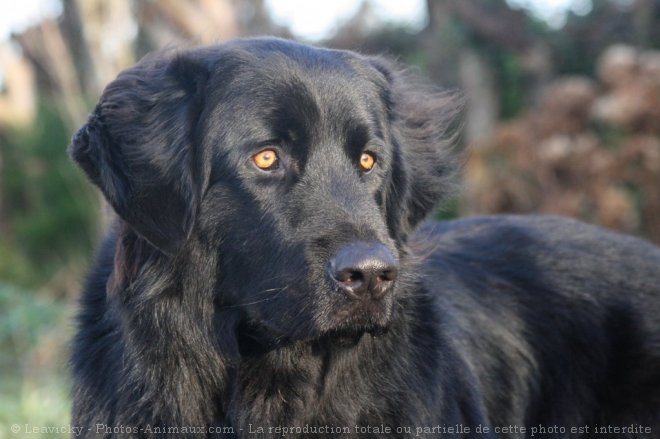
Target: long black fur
column 210, row 313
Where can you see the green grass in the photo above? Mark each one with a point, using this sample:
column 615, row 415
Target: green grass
column 34, row 389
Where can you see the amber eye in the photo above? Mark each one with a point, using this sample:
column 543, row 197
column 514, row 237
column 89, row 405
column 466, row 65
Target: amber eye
column 266, row 160
column 367, row 161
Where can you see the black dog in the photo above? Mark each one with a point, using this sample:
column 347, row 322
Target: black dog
column 267, row 276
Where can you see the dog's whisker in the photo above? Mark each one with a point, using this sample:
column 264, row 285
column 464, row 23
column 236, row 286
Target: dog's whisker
column 255, row 302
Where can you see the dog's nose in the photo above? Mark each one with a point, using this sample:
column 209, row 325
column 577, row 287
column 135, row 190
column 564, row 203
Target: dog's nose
column 364, row 268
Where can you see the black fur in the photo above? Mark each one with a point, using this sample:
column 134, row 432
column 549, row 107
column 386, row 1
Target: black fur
column 210, row 306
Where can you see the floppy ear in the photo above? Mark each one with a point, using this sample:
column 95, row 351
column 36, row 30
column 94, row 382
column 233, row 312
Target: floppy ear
column 138, row 147
column 425, row 124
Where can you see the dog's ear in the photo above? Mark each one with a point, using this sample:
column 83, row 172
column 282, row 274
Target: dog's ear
column 425, row 125
column 138, row 147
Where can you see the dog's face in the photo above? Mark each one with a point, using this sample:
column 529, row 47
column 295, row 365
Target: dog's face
column 297, row 172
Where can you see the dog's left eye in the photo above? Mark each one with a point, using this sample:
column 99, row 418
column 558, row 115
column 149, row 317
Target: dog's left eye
column 367, row 161
column 266, row 160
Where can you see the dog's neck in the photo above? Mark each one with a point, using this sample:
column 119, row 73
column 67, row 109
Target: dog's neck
column 306, row 378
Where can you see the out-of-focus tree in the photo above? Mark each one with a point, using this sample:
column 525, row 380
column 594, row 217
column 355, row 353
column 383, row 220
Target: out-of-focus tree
column 18, row 100
column 584, row 37
column 75, row 55
column 182, row 22
column 488, row 42
column 17, row 107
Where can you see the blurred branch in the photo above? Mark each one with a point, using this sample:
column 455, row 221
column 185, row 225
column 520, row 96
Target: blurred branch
column 478, row 84
column 73, row 30
column 18, row 102
column 500, row 25
column 45, row 46
column 108, row 29
column 74, row 58
column 178, row 21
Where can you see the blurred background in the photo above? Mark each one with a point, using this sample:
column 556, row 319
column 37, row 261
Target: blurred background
column 563, row 118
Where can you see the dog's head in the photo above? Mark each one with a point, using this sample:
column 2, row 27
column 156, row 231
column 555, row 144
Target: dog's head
column 294, row 174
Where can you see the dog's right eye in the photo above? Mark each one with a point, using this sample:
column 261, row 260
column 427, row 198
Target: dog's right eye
column 367, row 161
column 266, row 160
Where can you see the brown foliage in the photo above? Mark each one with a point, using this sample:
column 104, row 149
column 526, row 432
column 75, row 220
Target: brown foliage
column 590, row 149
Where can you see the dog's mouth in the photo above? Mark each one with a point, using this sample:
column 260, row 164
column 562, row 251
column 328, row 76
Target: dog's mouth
column 344, row 327
column 360, row 317
column 355, row 333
